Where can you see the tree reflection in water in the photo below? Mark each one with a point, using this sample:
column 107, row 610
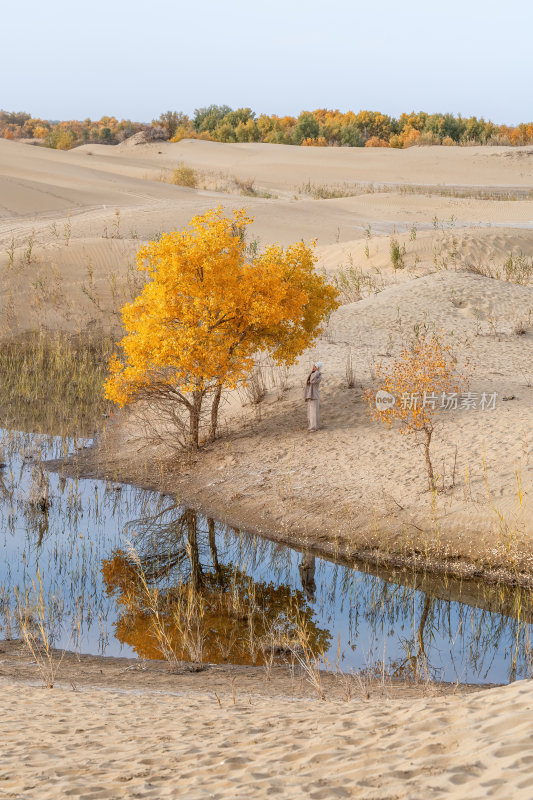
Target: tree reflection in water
column 442, row 623
column 211, row 612
column 420, row 625
column 230, row 596
column 416, row 623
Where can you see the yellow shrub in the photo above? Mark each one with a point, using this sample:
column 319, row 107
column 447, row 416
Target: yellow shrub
column 375, row 141
column 185, row 176
column 320, row 142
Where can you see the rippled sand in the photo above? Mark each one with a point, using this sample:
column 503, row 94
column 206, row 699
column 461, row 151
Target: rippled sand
column 105, row 744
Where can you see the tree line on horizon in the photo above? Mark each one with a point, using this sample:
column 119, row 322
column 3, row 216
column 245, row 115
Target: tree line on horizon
column 319, row 128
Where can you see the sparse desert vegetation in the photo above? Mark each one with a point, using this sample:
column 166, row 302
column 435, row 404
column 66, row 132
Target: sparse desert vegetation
column 350, row 564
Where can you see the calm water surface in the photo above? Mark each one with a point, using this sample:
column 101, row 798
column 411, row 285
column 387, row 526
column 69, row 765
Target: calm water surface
column 81, row 550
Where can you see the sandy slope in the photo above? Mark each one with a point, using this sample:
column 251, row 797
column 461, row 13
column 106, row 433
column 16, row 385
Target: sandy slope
column 58, row 743
column 284, row 166
column 86, row 211
column 359, row 486
column 352, row 485
column 36, row 182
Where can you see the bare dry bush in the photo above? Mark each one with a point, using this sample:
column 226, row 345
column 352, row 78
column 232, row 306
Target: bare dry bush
column 353, row 283
column 349, row 370
column 254, row 389
column 155, row 133
column 246, row 186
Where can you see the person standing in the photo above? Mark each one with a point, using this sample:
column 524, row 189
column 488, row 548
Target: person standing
column 312, row 396
column 307, row 569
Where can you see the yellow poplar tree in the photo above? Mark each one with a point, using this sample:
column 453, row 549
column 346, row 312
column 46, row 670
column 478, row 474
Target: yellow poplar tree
column 207, row 309
column 416, row 381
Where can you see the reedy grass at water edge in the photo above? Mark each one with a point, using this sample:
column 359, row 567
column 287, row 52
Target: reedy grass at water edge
column 34, row 628
column 53, row 383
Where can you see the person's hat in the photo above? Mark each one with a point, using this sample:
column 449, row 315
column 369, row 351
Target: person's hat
column 319, row 364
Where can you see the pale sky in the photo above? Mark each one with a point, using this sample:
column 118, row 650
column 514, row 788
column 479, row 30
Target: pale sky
column 135, row 58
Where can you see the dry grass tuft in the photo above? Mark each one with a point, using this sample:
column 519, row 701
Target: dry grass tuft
column 72, row 369
column 184, row 176
column 353, row 284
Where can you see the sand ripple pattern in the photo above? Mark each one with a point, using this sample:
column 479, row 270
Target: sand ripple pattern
column 104, row 744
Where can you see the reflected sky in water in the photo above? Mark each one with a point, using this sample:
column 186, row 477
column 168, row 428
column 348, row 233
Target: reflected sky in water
column 368, row 618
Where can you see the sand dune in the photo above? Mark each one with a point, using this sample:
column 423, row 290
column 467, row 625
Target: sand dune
column 107, row 744
column 86, row 211
column 285, row 166
column 451, row 247
column 36, row 182
column 46, row 193
column 70, row 225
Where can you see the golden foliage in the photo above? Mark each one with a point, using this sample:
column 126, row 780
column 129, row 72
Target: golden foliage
column 422, row 372
column 206, row 310
column 319, row 142
column 375, row 141
column 419, row 380
column 222, row 614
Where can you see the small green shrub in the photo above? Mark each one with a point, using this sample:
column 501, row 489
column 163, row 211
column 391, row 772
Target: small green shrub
column 518, row 269
column 397, row 253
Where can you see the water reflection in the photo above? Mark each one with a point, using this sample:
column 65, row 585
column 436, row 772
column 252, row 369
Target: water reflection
column 307, row 568
column 176, row 594
column 227, row 595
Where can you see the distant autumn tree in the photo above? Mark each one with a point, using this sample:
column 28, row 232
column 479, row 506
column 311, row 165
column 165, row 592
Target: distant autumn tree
column 413, row 387
column 172, row 120
column 205, row 312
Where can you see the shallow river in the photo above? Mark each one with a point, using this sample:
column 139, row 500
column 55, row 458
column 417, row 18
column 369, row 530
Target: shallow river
column 105, row 560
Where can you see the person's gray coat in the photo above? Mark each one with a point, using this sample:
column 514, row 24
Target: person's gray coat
column 312, row 389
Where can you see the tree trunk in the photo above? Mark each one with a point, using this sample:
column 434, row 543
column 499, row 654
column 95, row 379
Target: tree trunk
column 431, row 476
column 214, row 413
column 194, row 420
column 428, row 602
column 194, row 555
column 213, row 548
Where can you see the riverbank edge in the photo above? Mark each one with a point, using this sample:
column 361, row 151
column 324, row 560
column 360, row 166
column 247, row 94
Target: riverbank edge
column 103, row 462
column 82, row 671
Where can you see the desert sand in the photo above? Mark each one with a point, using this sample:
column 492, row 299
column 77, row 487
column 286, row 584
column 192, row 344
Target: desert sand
column 85, row 213
column 104, row 743
column 70, row 224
